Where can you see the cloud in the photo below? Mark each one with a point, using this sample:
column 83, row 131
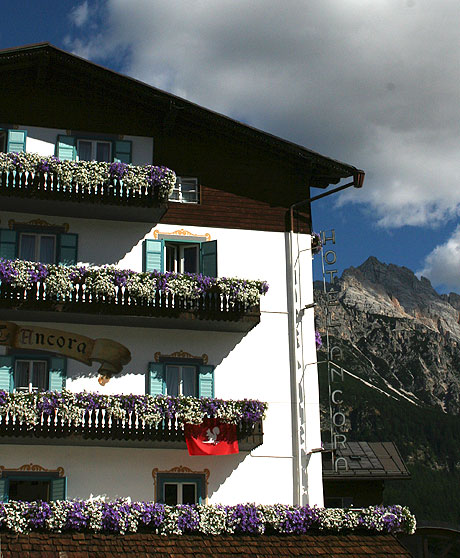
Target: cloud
column 442, row 265
column 374, row 83
column 79, row 15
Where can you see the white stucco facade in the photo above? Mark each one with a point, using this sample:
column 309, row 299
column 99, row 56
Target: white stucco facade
column 274, row 362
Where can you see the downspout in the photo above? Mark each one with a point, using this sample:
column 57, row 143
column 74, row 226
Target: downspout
column 298, row 423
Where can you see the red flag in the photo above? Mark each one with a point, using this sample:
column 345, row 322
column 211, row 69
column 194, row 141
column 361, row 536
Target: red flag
column 211, row 437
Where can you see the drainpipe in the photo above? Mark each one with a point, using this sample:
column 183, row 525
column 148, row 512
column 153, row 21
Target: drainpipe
column 303, row 457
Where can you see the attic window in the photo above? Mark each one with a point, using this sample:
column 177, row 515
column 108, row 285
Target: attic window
column 186, row 190
column 355, row 457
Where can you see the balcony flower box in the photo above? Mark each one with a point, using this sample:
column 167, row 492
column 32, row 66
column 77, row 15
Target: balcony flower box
column 32, row 175
column 129, row 420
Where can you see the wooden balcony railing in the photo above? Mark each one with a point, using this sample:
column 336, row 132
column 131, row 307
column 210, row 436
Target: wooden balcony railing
column 47, row 186
column 98, row 428
column 163, row 310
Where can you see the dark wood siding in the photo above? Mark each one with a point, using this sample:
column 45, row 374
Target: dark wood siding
column 228, row 210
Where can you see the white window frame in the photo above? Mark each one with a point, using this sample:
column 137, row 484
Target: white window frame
column 94, row 148
column 30, row 388
column 179, row 257
column 38, row 237
column 177, row 190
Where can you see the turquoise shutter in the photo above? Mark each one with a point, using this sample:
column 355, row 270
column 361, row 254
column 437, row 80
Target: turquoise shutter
column 6, row 373
column 66, row 149
column 58, row 489
column 206, row 381
column 8, row 244
column 208, row 252
column 122, row 151
column 152, row 255
column 156, row 384
column 16, row 141
column 67, row 248
column 3, row 490
column 57, row 373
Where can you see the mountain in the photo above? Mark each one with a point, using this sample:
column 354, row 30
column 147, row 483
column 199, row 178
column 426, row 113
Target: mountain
column 400, row 344
column 399, row 332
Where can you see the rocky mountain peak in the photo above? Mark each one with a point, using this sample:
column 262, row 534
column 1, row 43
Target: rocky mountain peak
column 407, row 332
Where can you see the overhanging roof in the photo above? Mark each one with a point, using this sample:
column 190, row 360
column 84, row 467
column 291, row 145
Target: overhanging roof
column 322, row 170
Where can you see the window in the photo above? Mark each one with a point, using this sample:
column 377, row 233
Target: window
column 180, row 377
column 39, row 244
column 185, row 190
column 181, row 380
column 338, row 502
column 182, row 257
column 72, row 148
column 29, row 487
column 32, row 372
column 171, row 254
column 94, row 150
column 173, row 489
column 35, row 247
column 31, row 375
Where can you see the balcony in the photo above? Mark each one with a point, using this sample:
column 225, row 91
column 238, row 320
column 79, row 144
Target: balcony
column 164, row 300
column 83, row 189
column 99, row 427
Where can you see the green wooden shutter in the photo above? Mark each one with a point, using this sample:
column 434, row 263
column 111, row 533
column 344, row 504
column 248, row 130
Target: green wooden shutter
column 57, row 373
column 208, row 252
column 16, row 141
column 206, row 381
column 152, row 255
column 58, row 489
column 122, row 151
column 66, row 149
column 156, row 384
column 6, row 373
column 67, row 248
column 3, row 490
column 8, row 244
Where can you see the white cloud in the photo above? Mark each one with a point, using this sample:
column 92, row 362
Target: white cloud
column 80, row 14
column 374, row 83
column 442, row 265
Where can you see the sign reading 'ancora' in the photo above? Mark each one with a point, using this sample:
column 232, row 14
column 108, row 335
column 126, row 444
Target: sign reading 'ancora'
column 111, row 354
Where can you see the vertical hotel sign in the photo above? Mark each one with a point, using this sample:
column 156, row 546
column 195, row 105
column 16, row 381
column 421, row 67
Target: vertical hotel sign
column 334, row 371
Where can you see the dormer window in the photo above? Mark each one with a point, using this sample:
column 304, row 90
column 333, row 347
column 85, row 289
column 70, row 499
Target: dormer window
column 185, row 190
column 94, row 150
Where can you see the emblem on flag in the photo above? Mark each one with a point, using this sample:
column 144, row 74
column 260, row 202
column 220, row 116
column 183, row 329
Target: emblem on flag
column 211, row 437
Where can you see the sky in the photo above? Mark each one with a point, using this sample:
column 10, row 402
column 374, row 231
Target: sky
column 373, row 83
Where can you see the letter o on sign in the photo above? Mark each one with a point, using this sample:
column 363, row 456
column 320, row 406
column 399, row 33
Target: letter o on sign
column 339, row 419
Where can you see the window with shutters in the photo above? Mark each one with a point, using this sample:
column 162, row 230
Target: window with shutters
column 186, row 190
column 39, row 244
column 188, row 377
column 180, row 256
column 30, row 487
column 73, row 148
column 32, row 372
column 174, row 489
column 2, row 141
